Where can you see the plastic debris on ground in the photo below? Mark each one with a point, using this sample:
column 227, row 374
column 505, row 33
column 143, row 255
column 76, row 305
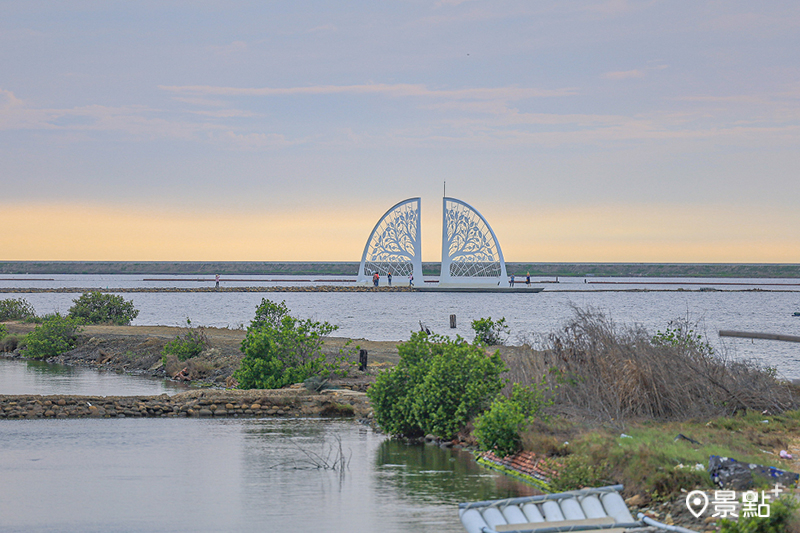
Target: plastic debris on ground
column 732, row 474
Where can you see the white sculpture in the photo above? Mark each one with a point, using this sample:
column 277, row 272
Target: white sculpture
column 394, row 246
column 471, row 253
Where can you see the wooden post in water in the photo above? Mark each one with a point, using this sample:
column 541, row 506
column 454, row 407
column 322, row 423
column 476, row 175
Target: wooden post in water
column 452, row 321
column 362, row 360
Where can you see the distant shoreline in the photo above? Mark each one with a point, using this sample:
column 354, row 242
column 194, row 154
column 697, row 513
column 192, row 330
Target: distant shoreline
column 343, row 268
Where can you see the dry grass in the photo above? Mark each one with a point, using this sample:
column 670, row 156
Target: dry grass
column 611, row 373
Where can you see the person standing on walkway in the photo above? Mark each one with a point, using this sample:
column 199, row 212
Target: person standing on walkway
column 376, row 278
column 389, row 277
column 512, row 280
column 216, row 280
column 528, row 279
column 411, row 280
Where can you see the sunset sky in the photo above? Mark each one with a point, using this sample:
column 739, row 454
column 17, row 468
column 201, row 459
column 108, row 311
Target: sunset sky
column 614, row 130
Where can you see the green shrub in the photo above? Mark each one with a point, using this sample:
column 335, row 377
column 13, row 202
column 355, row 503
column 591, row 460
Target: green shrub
column 55, row 335
column 3, row 331
column 98, row 308
column 500, row 428
column 680, row 333
column 489, row 332
column 187, row 346
column 16, row 309
column 780, row 520
column 281, row 350
column 437, row 387
column 268, row 313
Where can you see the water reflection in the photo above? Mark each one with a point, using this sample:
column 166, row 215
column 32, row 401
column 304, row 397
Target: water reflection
column 228, row 475
column 441, row 475
column 38, row 377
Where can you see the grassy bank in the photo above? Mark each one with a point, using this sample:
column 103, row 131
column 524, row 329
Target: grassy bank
column 659, row 458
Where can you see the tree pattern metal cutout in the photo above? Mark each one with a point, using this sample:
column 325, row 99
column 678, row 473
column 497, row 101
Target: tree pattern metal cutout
column 472, row 248
column 394, row 242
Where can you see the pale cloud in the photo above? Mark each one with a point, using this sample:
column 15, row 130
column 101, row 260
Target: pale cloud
column 480, row 117
column 624, row 74
column 8, row 100
column 254, row 141
column 614, row 7
column 394, row 90
column 138, row 121
column 322, row 28
column 451, row 2
column 133, row 120
column 652, row 65
column 200, row 101
column 234, row 48
column 754, row 23
column 226, row 113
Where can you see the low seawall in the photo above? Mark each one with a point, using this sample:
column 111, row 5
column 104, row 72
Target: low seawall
column 196, row 403
column 265, row 288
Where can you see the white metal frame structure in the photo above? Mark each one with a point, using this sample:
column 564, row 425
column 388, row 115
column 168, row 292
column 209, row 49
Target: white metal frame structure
column 471, row 253
column 395, row 245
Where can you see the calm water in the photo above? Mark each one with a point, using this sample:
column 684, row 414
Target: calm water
column 37, row 377
column 253, row 475
column 392, row 316
column 155, row 475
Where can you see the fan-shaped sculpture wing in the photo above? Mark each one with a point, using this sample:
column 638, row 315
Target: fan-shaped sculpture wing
column 394, row 246
column 470, row 250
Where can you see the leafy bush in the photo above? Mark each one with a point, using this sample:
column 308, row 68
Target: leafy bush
column 499, row 429
column 680, row 333
column 437, row 387
column 98, row 308
column 281, row 350
column 780, row 520
column 16, row 309
column 3, row 331
column 489, row 332
column 56, row 334
column 187, row 346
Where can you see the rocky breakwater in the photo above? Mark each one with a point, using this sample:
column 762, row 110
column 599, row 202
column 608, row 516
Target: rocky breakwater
column 265, row 288
column 199, row 404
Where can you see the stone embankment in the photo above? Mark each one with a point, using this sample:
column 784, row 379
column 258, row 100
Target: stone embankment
column 197, row 403
column 266, row 288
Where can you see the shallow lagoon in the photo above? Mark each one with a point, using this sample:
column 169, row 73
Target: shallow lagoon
column 159, row 475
